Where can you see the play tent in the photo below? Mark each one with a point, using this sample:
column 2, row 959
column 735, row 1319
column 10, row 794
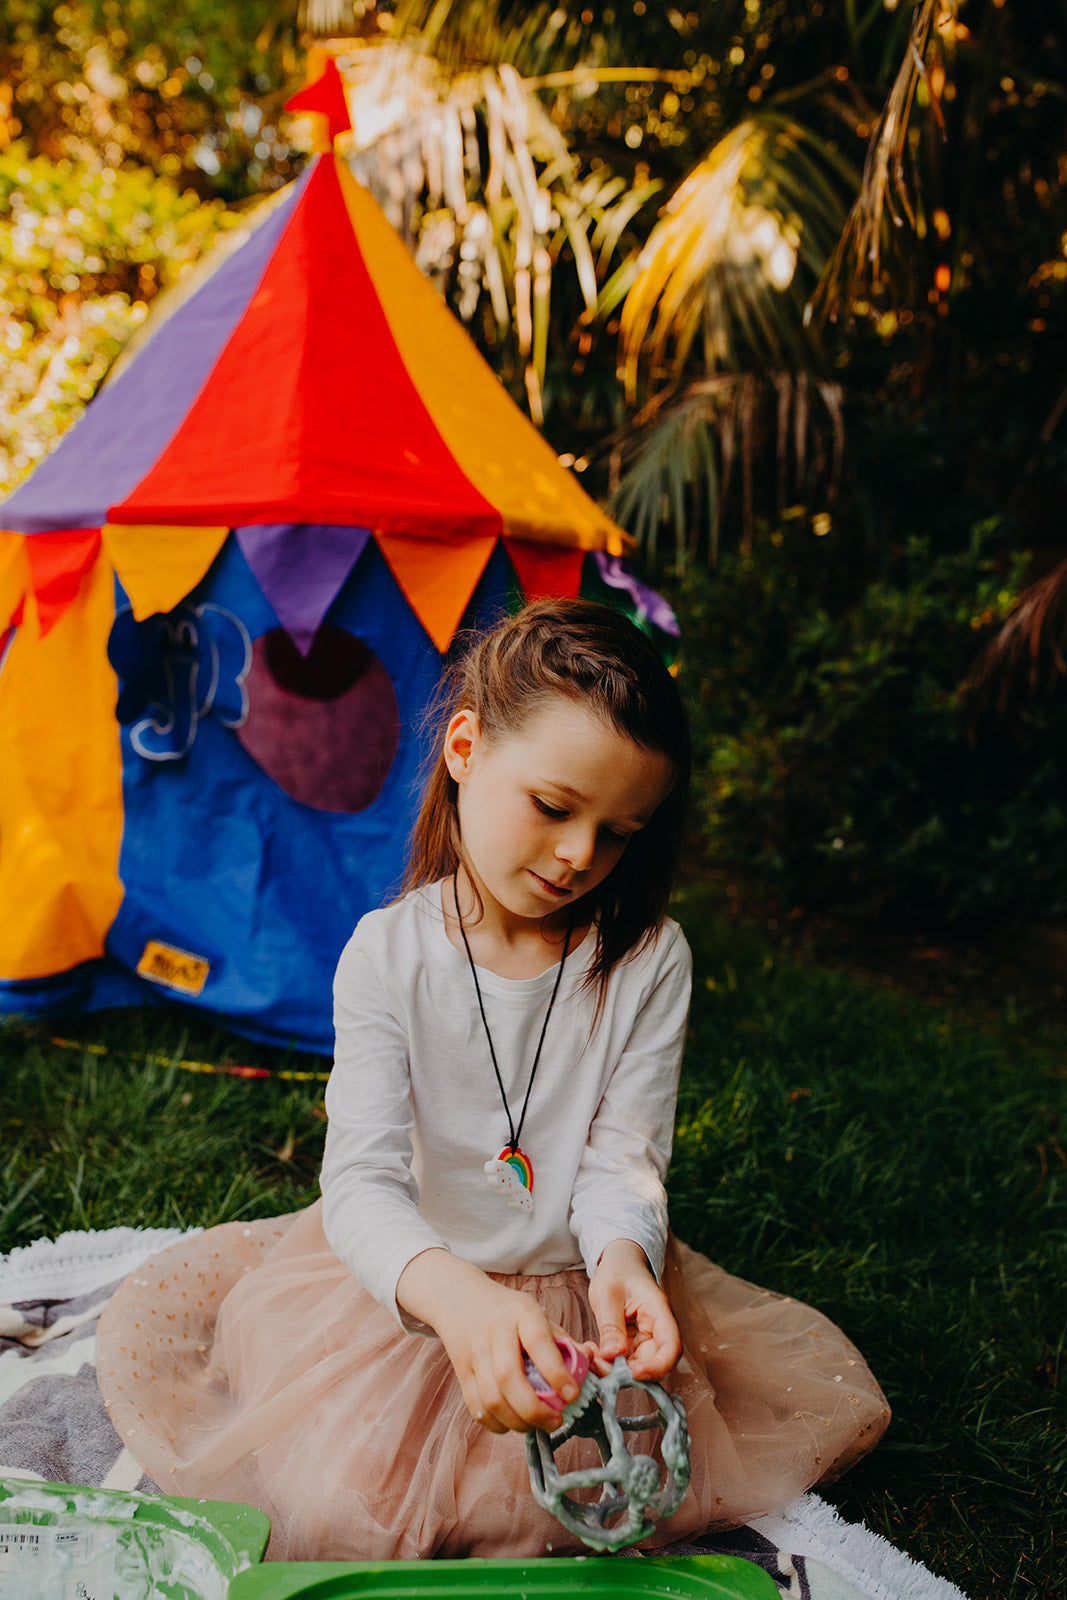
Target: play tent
column 224, row 602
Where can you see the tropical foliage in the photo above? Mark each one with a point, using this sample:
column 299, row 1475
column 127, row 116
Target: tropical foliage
column 733, row 260
column 190, row 89
column 846, row 762
column 707, row 247
column 652, row 343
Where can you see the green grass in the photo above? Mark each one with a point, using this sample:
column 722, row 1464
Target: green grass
column 113, row 1130
column 900, row 1168
column 887, row 1159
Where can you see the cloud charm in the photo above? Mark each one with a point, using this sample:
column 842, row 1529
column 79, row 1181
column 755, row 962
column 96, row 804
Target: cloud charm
column 506, row 1173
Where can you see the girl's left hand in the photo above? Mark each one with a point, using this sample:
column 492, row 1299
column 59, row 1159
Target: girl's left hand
column 633, row 1315
column 486, row 1328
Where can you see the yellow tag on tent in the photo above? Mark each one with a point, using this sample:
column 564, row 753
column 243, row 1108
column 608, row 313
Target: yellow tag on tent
column 173, row 968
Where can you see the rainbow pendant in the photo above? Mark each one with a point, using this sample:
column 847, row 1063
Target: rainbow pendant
column 512, row 1171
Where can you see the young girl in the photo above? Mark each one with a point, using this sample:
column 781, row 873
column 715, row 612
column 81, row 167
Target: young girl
column 500, row 1115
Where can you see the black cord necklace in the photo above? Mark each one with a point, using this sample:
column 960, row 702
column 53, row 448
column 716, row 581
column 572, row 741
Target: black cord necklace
column 512, row 1169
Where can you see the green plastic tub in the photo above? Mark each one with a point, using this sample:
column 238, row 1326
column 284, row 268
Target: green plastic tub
column 564, row 1578
column 61, row 1542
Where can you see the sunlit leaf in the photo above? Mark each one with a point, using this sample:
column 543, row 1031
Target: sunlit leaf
column 735, row 255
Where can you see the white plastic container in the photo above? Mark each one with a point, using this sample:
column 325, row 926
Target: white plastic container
column 60, row 1542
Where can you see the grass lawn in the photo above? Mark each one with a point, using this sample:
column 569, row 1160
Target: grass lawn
column 890, row 1160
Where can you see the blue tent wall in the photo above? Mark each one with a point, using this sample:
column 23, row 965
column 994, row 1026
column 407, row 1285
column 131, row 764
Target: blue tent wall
column 219, row 862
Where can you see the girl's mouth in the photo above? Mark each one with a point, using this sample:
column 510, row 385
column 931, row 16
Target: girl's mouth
column 559, row 890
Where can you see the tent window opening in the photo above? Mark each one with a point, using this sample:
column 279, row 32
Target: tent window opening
column 325, row 726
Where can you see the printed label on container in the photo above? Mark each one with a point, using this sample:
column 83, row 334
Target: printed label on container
column 177, row 969
column 61, row 1562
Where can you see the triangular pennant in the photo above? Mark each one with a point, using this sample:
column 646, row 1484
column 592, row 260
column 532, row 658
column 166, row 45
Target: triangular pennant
column 158, row 566
column 301, row 568
column 438, row 577
column 14, row 577
column 544, row 570
column 58, row 562
column 309, row 414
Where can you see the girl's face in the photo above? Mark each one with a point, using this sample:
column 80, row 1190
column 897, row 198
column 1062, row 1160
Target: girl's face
column 545, row 813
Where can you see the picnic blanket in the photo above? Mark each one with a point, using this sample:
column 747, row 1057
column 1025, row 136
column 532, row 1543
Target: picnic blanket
column 53, row 1424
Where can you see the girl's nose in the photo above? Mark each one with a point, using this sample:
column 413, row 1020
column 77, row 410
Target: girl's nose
column 577, row 848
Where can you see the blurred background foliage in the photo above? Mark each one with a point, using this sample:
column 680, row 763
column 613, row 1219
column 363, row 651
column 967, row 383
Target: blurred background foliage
column 784, row 280
column 82, row 251
column 849, row 761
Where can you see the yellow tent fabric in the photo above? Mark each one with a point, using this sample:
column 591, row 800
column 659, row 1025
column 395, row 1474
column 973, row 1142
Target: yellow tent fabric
column 61, row 798
column 14, row 575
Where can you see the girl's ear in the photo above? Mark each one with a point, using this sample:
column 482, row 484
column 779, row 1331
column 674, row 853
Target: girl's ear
column 461, row 737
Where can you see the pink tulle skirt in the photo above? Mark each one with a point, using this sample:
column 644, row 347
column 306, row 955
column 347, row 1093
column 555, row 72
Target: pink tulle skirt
column 247, row 1364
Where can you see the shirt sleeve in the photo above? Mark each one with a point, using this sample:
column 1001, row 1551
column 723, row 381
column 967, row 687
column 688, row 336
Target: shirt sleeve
column 619, row 1190
column 370, row 1198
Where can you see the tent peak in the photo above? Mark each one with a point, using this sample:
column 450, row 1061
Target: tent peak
column 324, row 96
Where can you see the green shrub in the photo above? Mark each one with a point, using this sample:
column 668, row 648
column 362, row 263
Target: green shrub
column 842, row 765
column 83, row 250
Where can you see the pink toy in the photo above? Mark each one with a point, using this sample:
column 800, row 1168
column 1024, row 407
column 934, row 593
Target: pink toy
column 577, row 1363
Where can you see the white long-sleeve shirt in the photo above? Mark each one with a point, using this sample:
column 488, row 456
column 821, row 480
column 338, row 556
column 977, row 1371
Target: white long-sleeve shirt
column 415, row 1112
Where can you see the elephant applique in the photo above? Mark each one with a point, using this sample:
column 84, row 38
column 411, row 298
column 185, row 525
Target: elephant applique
column 175, row 669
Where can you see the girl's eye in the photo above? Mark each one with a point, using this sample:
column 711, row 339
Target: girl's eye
column 555, row 812
column 613, row 836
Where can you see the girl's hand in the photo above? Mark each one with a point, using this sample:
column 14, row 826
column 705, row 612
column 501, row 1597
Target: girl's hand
column 486, row 1328
column 634, row 1318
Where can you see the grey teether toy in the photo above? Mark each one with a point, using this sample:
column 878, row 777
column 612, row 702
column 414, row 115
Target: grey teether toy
column 631, row 1494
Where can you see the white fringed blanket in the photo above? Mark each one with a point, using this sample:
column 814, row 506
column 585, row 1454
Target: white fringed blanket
column 53, row 1424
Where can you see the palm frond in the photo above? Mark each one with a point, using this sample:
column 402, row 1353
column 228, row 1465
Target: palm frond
column 734, row 255
column 669, row 464
column 330, row 18
column 618, row 204
column 884, row 203
column 553, row 43
column 531, row 37
column 472, row 170
column 676, row 465
column 1027, row 653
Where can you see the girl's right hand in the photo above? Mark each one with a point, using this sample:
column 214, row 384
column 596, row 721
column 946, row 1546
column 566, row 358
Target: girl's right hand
column 486, row 1328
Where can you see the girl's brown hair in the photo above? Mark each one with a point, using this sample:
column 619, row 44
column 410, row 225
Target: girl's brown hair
column 594, row 656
